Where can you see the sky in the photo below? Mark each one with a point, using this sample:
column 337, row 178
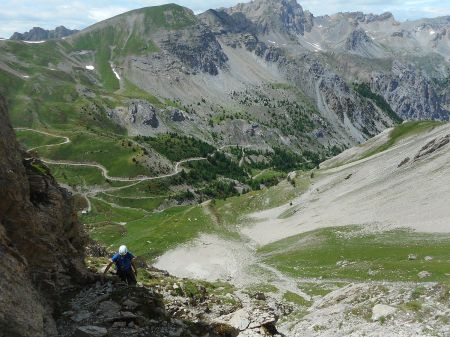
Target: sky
column 22, row 15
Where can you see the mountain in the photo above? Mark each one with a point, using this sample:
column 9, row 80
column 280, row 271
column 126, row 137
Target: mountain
column 40, row 34
column 288, row 88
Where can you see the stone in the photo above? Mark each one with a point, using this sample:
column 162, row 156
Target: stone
column 424, row 274
column 240, row 320
column 382, row 310
column 90, row 331
column 259, row 296
column 130, row 305
column 412, row 257
column 428, row 258
column 118, row 325
column 81, row 316
column 109, row 308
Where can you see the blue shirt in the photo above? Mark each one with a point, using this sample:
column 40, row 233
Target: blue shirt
column 123, row 262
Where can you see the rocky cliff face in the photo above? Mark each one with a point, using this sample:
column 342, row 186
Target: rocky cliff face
column 410, row 93
column 197, row 48
column 41, row 243
column 276, row 16
column 40, row 34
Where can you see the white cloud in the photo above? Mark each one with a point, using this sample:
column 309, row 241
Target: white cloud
column 100, row 14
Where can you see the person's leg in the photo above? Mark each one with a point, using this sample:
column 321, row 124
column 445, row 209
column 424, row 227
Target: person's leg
column 131, row 278
column 122, row 275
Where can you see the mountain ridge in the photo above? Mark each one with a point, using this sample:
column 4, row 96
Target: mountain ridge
column 40, row 34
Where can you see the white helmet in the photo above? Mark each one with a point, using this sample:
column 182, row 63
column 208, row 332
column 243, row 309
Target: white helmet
column 123, row 250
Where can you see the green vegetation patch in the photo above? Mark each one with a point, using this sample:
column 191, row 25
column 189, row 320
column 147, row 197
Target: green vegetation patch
column 118, row 156
column 133, row 91
column 100, row 41
column 168, row 16
column 155, row 233
column 82, row 177
column 348, row 253
column 145, row 203
column 31, row 139
column 233, row 210
column 296, row 299
column 402, row 131
column 178, row 147
column 35, row 53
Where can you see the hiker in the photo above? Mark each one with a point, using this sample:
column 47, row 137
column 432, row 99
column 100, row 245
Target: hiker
column 126, row 269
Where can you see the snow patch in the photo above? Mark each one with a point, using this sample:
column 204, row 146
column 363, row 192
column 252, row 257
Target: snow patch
column 432, row 32
column 273, row 42
column 90, row 67
column 115, row 72
column 34, row 41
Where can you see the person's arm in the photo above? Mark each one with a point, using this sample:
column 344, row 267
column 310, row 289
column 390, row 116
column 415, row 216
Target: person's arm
column 108, row 266
column 134, row 266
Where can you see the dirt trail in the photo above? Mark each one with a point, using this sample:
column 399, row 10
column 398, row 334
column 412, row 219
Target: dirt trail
column 66, row 139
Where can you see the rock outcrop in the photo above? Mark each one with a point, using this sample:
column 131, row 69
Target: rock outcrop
column 197, row 48
column 274, row 16
column 410, row 93
column 357, row 40
column 116, row 310
column 40, row 34
column 41, row 242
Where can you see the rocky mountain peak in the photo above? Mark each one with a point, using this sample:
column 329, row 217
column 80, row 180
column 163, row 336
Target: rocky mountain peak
column 280, row 16
column 40, row 34
column 356, row 39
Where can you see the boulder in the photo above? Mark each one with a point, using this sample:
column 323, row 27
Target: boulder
column 177, row 115
column 424, row 274
column 382, row 310
column 412, row 257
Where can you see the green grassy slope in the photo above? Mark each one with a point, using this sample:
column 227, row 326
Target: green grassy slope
column 352, row 253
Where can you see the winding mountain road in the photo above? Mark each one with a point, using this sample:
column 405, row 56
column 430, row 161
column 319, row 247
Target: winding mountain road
column 103, row 169
column 66, row 139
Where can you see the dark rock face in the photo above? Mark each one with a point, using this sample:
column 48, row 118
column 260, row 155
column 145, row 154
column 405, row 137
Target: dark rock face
column 197, row 48
column 276, row 16
column 432, row 147
column 141, row 111
column 356, row 39
column 40, row 34
column 221, row 22
column 41, row 242
column 152, row 120
column 177, row 115
column 411, row 94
